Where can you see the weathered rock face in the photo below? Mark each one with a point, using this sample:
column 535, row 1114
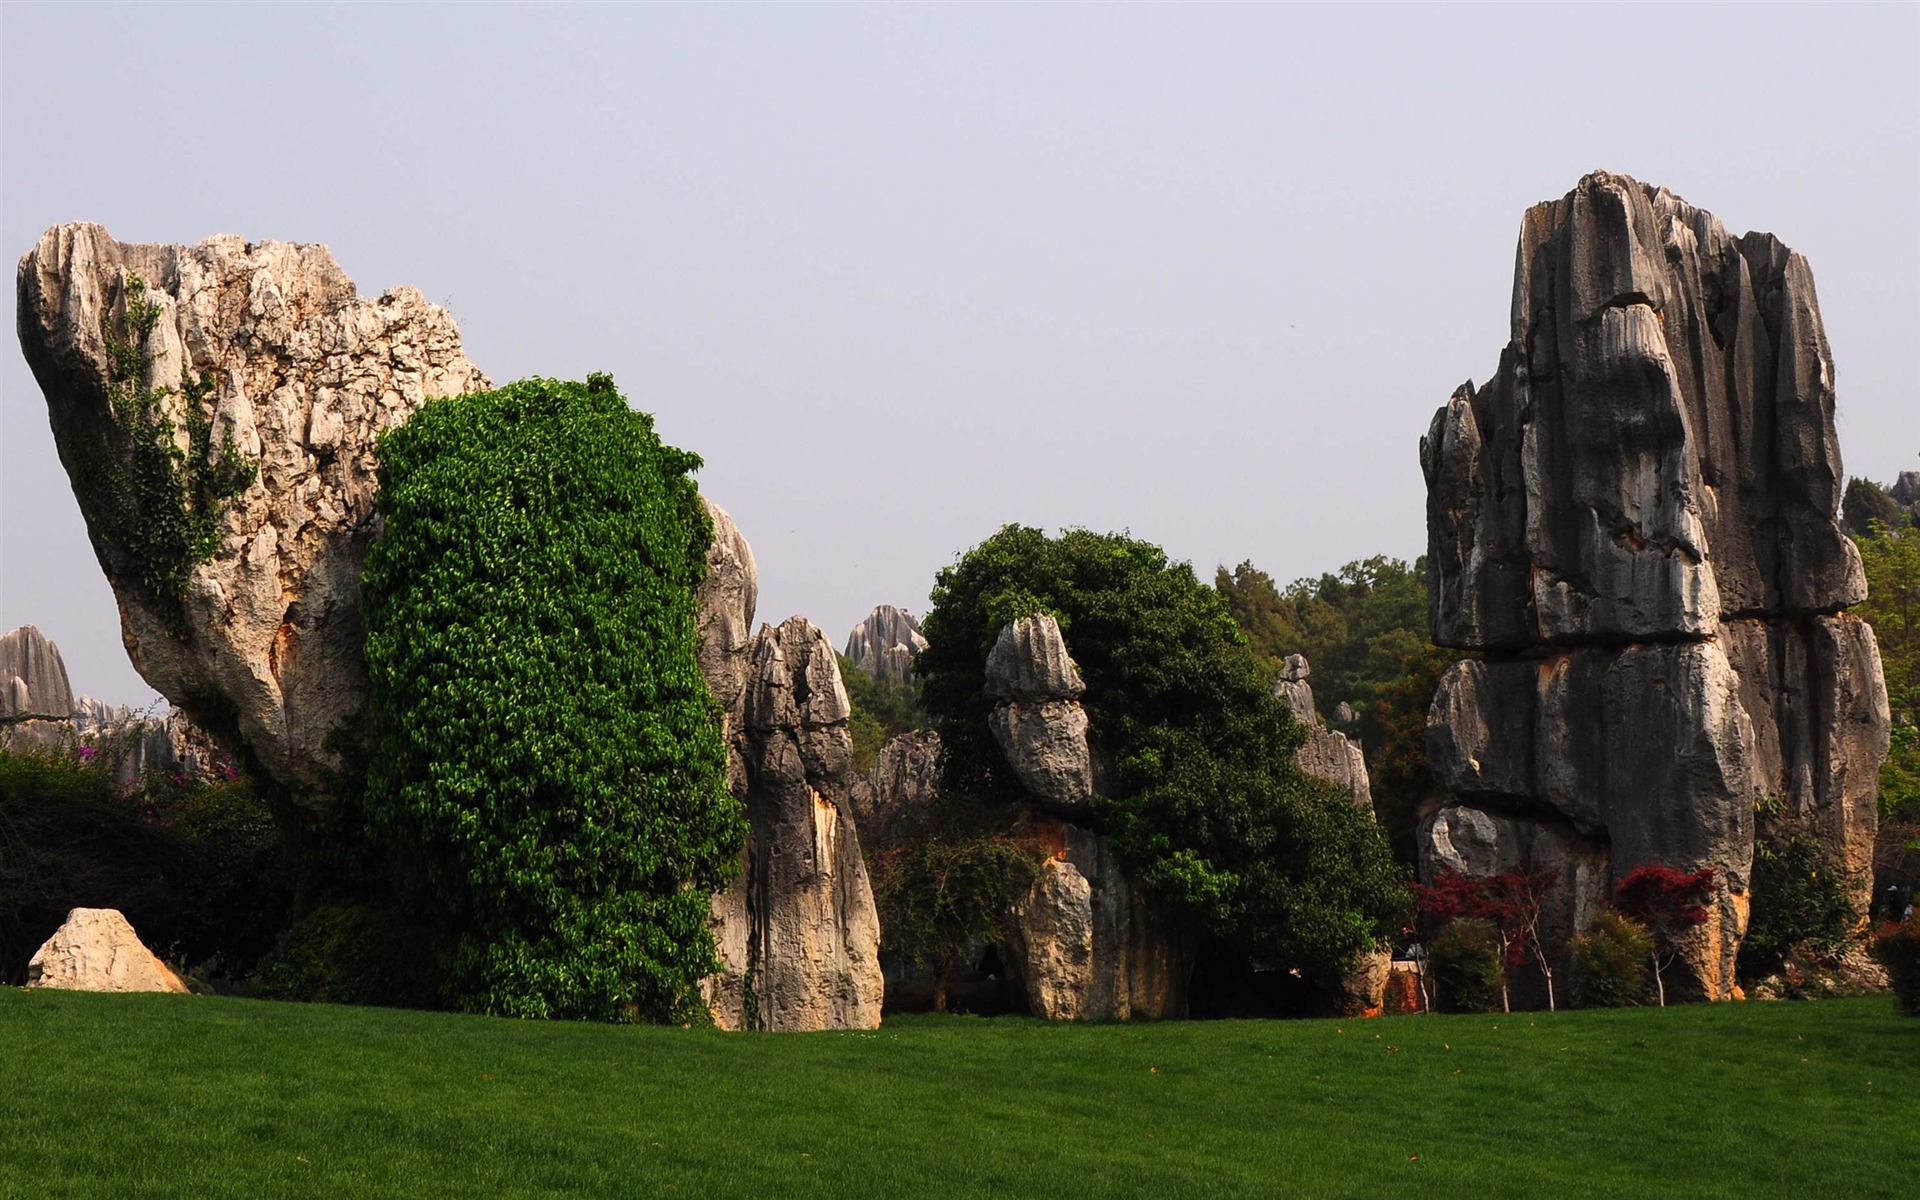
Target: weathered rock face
column 36, row 701
column 1906, row 489
column 1136, row 958
column 885, row 643
column 1363, row 990
column 1089, row 943
column 1327, row 753
column 904, row 781
column 97, row 951
column 304, row 376
column 1657, row 449
column 727, row 598
column 798, row 935
column 1636, row 520
column 1055, row 942
column 1038, row 721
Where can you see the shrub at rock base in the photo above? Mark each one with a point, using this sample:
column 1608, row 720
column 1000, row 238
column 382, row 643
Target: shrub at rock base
column 1610, row 962
column 1465, row 961
column 1897, row 948
column 350, row 954
column 546, row 762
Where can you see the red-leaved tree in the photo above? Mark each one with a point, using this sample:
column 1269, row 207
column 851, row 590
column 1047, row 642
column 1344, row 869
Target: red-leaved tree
column 1511, row 901
column 1668, row 902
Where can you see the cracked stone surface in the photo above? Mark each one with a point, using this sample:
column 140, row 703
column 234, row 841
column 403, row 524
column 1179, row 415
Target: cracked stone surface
column 1636, row 521
column 305, row 374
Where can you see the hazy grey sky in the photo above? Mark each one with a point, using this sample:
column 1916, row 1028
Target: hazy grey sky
column 902, row 274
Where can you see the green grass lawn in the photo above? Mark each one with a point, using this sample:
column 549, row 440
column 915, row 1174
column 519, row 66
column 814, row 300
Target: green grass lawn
column 203, row 1096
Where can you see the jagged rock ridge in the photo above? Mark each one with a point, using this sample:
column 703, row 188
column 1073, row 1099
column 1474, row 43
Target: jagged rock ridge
column 1327, row 753
column 885, row 643
column 1636, row 520
column 36, row 701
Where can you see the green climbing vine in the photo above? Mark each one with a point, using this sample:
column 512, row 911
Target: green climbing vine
column 155, row 501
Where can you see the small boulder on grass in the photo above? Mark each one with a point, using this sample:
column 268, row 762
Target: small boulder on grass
column 98, row 951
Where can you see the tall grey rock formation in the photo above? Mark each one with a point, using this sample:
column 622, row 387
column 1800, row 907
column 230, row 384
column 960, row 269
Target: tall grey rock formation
column 798, row 934
column 1327, row 753
column 885, row 643
column 1636, row 520
column 36, row 701
column 1089, row 942
column 304, row 375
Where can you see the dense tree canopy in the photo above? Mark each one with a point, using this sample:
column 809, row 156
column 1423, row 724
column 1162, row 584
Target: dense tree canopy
column 1891, row 555
column 1365, row 632
column 1204, row 799
column 546, row 760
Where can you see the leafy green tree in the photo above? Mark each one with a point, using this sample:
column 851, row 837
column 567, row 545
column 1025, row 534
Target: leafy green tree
column 949, row 879
column 1891, row 557
column 546, row 761
column 1204, row 799
column 1365, row 631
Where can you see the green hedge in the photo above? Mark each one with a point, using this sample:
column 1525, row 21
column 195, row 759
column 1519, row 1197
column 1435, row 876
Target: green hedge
column 545, row 759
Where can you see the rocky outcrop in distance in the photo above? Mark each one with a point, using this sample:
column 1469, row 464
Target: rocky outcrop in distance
column 96, row 950
column 1636, row 522
column 884, row 645
column 304, row 374
column 904, row 781
column 36, row 700
column 1327, row 753
column 38, row 711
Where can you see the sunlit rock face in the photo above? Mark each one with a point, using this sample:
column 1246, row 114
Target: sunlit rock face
column 798, row 935
column 1636, row 521
column 36, row 701
column 304, row 374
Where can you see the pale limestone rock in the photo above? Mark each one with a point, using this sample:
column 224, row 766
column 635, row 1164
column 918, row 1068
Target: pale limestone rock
column 1363, row 989
column 36, row 701
column 1045, row 742
column 904, row 782
column 727, row 598
column 798, row 936
column 1055, row 942
column 1327, row 753
column 305, row 375
column 1136, row 960
column 1029, row 661
column 97, row 951
column 1038, row 721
